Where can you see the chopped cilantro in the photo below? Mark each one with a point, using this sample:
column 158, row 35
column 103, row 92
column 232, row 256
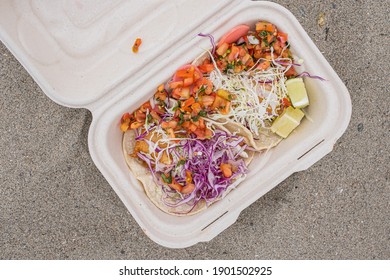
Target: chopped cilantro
column 202, row 113
column 230, row 66
column 181, row 162
column 202, row 89
column 263, row 33
column 166, row 179
column 195, row 118
column 177, row 106
column 265, row 42
column 181, row 116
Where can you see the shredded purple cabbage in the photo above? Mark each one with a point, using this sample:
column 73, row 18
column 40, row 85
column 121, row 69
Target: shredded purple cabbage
column 287, row 63
column 203, row 159
column 212, row 40
column 307, row 74
column 140, row 136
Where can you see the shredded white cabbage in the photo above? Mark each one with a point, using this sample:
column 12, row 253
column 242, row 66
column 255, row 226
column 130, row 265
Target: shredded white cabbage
column 254, row 91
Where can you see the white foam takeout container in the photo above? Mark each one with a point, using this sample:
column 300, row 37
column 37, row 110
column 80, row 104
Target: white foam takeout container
column 79, row 52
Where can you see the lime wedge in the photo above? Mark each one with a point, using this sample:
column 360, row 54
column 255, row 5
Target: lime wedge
column 287, row 121
column 297, row 92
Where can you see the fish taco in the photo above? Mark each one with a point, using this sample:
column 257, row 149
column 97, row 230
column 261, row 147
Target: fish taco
column 192, row 142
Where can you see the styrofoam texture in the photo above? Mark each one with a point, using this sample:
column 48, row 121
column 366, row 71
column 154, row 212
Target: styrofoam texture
column 329, row 113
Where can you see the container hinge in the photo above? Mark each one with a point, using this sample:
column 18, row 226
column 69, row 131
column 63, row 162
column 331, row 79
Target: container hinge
column 308, row 151
column 214, row 221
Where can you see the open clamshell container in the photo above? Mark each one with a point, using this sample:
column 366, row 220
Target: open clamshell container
column 79, row 52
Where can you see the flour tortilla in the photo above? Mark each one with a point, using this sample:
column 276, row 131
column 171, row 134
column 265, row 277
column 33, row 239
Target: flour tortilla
column 154, row 191
column 199, row 60
column 267, row 138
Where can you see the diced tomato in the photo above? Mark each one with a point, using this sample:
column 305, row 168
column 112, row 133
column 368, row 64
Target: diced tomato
column 192, row 127
column 221, row 104
column 221, row 50
column 206, row 68
column 155, row 116
column 140, row 116
column 265, row 26
column 221, row 64
column 177, row 84
column 218, row 102
column 278, row 47
column 164, row 125
column 136, row 45
column 189, row 188
column 176, row 186
column 257, row 54
column 200, row 133
column 205, row 83
column 181, row 93
column 176, row 94
column 186, row 124
column 170, row 124
column 144, row 107
column 185, row 73
column 185, row 92
column 226, row 169
column 282, row 37
column 207, row 100
column 270, row 38
column 125, row 125
column 233, row 53
column 201, row 123
column 125, row 117
column 197, row 75
column 196, row 108
column 162, row 95
column 242, row 52
column 186, row 109
column 188, row 102
column 188, row 176
column 161, row 88
column 246, row 59
column 286, row 102
column 188, row 81
column 291, row 72
column 226, row 109
column 208, row 133
column 135, row 125
column 158, row 109
column 264, row 65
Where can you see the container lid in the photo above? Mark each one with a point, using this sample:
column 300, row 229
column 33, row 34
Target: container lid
column 78, row 51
